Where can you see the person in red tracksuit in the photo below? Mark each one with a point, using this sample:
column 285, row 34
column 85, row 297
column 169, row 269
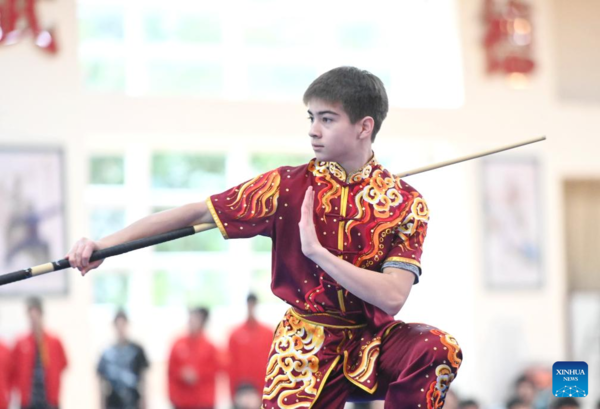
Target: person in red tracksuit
column 249, row 346
column 38, row 360
column 5, row 371
column 193, row 366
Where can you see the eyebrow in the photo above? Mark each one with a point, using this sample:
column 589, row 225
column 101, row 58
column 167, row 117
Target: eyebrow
column 324, row 112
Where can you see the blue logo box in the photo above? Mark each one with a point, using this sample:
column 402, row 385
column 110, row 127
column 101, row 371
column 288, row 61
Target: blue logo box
column 570, row 379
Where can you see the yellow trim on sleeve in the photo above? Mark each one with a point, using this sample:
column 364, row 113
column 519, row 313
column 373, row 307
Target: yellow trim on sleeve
column 216, row 218
column 403, row 260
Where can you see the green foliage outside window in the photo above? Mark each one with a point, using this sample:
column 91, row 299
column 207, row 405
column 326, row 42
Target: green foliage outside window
column 185, row 78
column 111, row 288
column 107, row 170
column 200, row 288
column 105, row 23
column 188, row 171
column 105, row 221
column 277, row 81
column 358, row 35
column 161, row 26
column 264, row 162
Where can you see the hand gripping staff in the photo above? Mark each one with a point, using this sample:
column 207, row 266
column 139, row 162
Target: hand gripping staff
column 190, row 230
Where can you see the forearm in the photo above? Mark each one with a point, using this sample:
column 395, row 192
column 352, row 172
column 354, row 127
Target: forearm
column 373, row 287
column 161, row 222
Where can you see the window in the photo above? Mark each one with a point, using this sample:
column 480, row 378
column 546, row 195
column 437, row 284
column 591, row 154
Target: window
column 269, row 50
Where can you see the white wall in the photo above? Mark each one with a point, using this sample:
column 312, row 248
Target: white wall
column 41, row 103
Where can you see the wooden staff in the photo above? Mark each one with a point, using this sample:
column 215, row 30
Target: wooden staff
column 188, row 231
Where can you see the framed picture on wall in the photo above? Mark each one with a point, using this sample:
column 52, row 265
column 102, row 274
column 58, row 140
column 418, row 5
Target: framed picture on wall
column 512, row 223
column 32, row 217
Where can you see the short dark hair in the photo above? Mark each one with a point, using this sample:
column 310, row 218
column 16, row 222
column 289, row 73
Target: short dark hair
column 561, row 402
column 514, row 402
column 202, row 311
column 467, row 403
column 35, row 303
column 252, row 298
column 245, row 387
column 120, row 315
column 523, row 379
column 360, row 93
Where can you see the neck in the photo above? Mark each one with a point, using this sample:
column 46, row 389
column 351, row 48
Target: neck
column 351, row 165
column 38, row 331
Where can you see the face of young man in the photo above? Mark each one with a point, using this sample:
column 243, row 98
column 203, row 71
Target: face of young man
column 333, row 136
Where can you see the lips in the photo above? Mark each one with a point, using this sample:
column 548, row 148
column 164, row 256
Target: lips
column 317, row 146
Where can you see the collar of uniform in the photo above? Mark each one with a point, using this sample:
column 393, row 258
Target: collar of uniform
column 337, row 171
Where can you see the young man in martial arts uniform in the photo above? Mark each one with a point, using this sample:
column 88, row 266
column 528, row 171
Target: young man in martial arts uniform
column 347, row 241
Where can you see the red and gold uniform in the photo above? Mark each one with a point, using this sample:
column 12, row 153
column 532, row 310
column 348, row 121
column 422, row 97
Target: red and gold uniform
column 329, row 336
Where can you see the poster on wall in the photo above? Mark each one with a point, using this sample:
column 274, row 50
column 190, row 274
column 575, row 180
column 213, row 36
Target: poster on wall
column 32, row 217
column 512, row 224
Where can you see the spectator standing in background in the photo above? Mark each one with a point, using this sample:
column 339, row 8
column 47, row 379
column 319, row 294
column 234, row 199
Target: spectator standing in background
column 193, row 366
column 246, row 397
column 517, row 403
column 121, row 369
column 249, row 346
column 565, row 403
column 38, row 360
column 525, row 390
column 5, row 372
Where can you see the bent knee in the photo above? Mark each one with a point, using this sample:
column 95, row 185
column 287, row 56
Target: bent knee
column 439, row 347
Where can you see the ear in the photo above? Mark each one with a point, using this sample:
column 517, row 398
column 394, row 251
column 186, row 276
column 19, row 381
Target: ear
column 365, row 127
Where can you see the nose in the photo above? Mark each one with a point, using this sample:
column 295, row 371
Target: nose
column 314, row 131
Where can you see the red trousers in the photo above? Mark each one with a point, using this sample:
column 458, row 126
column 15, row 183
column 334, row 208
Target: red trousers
column 416, row 366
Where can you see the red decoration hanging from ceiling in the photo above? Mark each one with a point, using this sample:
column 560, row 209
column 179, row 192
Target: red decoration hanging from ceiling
column 18, row 19
column 508, row 36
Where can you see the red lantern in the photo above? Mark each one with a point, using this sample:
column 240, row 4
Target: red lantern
column 18, row 19
column 508, row 36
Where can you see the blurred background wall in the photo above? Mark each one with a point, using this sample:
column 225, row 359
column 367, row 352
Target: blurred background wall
column 156, row 105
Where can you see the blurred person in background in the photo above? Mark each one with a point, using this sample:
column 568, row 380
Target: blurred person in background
column 541, row 376
column 122, row 369
column 38, row 360
column 193, row 366
column 565, row 403
column 517, row 403
column 246, row 396
column 468, row 404
column 249, row 346
column 525, row 390
column 5, row 376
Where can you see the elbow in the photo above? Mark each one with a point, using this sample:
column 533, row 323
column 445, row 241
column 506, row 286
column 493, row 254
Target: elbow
column 394, row 305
